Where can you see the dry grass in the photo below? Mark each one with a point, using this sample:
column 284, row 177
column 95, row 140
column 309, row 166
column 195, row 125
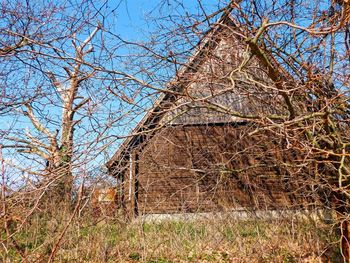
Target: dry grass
column 214, row 240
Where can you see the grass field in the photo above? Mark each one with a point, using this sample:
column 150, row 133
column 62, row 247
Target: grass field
column 208, row 240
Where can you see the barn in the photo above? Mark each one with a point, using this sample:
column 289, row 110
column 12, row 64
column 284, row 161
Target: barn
column 194, row 150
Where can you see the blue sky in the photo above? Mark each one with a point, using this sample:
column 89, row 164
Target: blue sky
column 134, row 16
column 133, row 20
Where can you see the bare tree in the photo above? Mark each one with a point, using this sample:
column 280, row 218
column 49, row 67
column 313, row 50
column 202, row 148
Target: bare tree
column 301, row 51
column 56, row 67
column 67, row 94
column 305, row 52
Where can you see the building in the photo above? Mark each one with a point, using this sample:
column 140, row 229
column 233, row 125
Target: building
column 195, row 152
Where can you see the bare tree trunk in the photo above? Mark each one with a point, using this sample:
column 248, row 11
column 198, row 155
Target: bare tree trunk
column 64, row 186
column 345, row 240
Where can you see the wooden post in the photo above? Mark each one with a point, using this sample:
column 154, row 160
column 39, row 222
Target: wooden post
column 345, row 240
column 130, row 187
column 136, row 185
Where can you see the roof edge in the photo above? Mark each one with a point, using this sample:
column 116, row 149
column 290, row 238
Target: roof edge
column 153, row 116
